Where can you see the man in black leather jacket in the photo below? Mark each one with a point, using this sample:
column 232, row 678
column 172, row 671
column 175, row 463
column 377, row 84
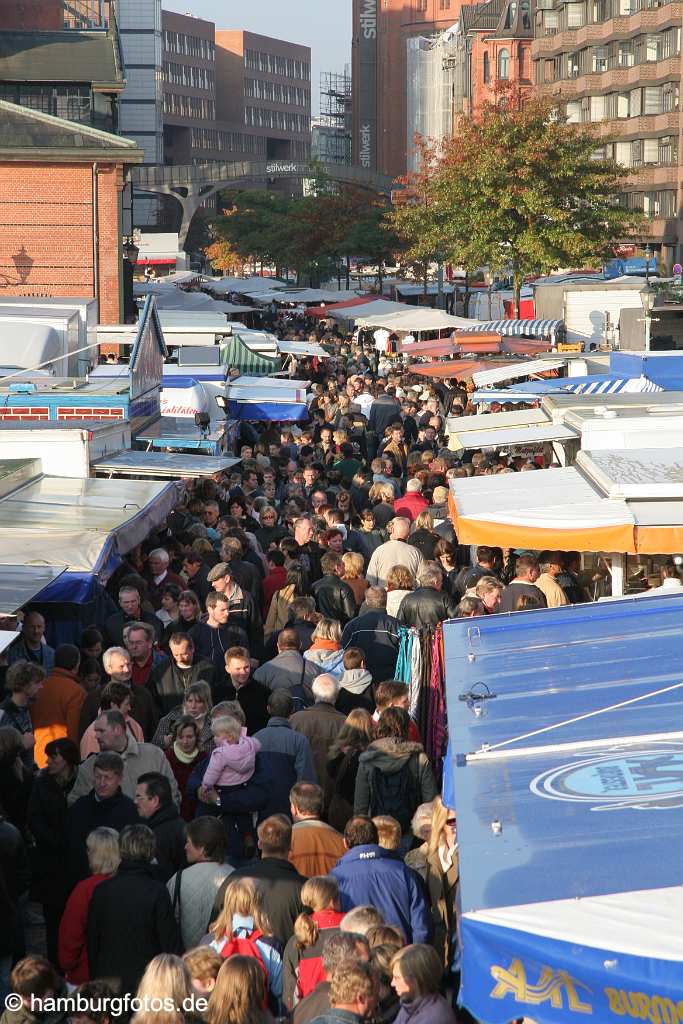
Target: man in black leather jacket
column 429, row 604
column 333, row 597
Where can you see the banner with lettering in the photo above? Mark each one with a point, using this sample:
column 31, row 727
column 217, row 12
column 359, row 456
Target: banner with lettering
column 509, row 974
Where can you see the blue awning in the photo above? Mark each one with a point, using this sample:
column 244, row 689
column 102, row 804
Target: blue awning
column 520, row 328
column 272, row 412
column 566, row 768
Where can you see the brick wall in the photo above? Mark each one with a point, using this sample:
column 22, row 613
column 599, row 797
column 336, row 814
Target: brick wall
column 31, row 15
column 46, row 236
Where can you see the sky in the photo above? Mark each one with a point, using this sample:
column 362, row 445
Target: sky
column 324, row 25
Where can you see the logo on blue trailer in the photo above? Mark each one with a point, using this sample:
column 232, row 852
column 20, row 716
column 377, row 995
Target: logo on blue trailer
column 641, row 780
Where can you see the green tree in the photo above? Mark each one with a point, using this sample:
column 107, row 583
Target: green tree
column 516, row 189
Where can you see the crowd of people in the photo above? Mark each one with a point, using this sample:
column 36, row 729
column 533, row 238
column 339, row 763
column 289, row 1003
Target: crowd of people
column 217, row 795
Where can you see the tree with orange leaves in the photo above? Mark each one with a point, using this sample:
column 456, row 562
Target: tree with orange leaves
column 516, row 189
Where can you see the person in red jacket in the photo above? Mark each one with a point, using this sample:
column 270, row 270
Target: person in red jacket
column 103, row 857
column 413, row 501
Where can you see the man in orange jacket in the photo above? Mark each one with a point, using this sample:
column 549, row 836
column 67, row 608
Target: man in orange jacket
column 58, row 706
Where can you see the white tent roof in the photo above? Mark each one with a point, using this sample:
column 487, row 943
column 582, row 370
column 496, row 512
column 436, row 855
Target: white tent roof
column 630, row 923
column 495, row 420
column 230, row 308
column 550, row 499
column 301, row 296
column 176, row 298
column 276, row 382
column 74, row 523
column 243, row 285
column 516, row 370
column 26, row 344
column 302, row 348
column 645, row 473
column 515, row 436
column 413, row 319
column 361, row 313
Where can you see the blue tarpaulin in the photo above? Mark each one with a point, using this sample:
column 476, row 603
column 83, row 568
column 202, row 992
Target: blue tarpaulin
column 593, row 384
column 566, row 763
column 271, row 412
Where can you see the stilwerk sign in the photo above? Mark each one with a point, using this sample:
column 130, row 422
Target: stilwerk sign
column 367, row 93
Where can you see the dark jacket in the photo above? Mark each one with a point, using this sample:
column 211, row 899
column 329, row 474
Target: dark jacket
column 431, row 1009
column 288, row 758
column 314, row 1005
column 168, row 683
column 425, row 607
column 321, row 724
column 130, row 921
column 238, row 803
column 365, row 541
column 425, row 541
column 86, row 814
column 46, row 819
column 211, row 643
column 280, row 884
column 383, row 411
column 253, row 698
column 113, row 626
column 334, row 598
column 200, row 585
column 376, row 633
column 245, row 613
column 143, row 709
column 371, row 875
column 169, row 831
column 390, row 756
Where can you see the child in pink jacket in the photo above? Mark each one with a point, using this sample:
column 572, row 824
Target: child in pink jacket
column 234, row 758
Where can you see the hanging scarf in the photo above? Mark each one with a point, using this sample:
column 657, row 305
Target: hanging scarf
column 183, row 757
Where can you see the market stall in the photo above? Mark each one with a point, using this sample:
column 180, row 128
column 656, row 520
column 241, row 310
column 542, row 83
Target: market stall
column 565, row 774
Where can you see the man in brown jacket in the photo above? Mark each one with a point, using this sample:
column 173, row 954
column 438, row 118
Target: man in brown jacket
column 57, row 708
column 322, row 723
column 316, row 847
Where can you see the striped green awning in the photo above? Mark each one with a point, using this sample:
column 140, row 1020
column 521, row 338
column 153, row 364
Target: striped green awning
column 235, row 353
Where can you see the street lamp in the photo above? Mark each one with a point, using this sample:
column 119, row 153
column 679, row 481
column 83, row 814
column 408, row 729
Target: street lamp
column 488, row 281
column 648, row 254
column 647, row 298
column 131, row 250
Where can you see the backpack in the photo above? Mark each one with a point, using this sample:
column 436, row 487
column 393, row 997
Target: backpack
column 394, row 794
column 245, row 945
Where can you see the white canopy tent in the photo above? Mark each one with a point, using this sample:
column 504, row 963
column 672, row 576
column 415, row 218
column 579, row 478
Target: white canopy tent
column 79, row 523
column 359, row 313
column 413, row 320
column 242, row 285
column 516, row 370
column 302, row 348
column 512, row 437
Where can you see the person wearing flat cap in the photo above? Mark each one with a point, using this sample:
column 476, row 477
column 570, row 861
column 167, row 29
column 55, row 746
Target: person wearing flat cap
column 243, row 610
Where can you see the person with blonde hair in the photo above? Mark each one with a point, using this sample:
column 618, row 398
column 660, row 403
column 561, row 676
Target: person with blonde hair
column 233, row 759
column 416, row 978
column 325, row 651
column 166, row 979
column 354, row 564
column 388, row 830
column 320, row 919
column 400, row 582
column 436, row 862
column 242, row 928
column 203, row 964
column 238, row 996
column 103, row 859
column 423, row 535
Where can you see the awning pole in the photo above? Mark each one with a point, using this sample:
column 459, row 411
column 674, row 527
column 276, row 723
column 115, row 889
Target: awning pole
column 617, row 573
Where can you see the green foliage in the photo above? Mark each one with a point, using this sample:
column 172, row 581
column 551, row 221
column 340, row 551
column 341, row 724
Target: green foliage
column 312, row 234
column 515, row 190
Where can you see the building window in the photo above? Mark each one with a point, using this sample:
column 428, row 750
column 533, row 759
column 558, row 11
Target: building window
column 487, row 68
column 504, row 65
column 444, row 5
column 420, row 5
column 511, row 14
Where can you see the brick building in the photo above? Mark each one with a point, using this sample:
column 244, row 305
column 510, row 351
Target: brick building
column 616, row 64
column 379, row 55
column 60, row 208
column 31, row 15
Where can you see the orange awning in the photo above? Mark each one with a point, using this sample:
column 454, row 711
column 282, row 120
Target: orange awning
column 462, row 368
